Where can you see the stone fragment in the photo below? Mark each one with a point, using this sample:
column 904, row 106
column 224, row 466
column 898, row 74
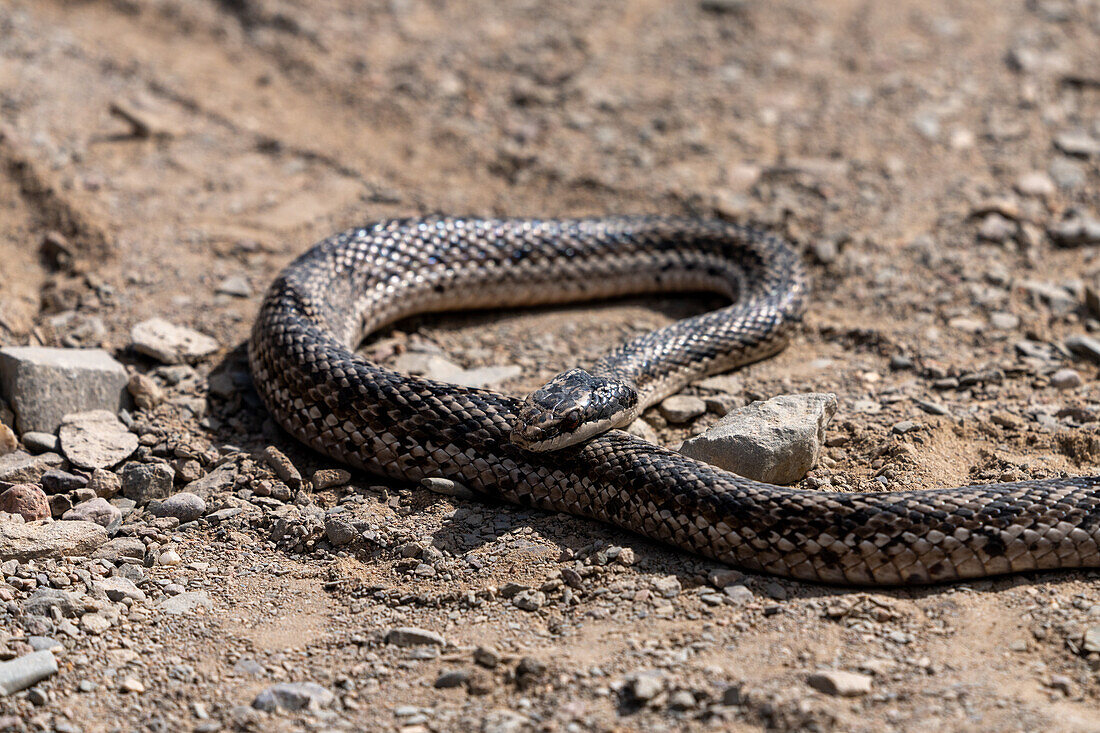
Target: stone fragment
column 235, row 285
column 776, row 441
column 56, row 539
column 840, row 683
column 45, row 384
column 529, row 600
column 171, row 344
column 679, row 409
column 56, row 481
column 452, row 678
column 96, row 439
column 44, row 600
column 330, row 478
column 411, row 636
column 146, row 392
column 184, row 506
column 105, row 483
column 1076, row 229
column 59, row 504
column 641, row 429
column 283, row 467
column 292, row 696
column 23, row 468
column 121, row 548
column 438, row 367
column 22, row 672
column 1035, row 183
column 1077, row 142
column 26, row 500
column 446, row 486
column 667, row 586
column 143, row 482
column 97, row 510
column 117, row 588
column 1091, row 641
column 1085, row 346
column 95, row 623
column 645, row 685
column 185, row 603
column 220, row 479
column 339, row 530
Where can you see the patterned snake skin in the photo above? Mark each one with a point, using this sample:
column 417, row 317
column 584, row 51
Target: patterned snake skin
column 322, row 305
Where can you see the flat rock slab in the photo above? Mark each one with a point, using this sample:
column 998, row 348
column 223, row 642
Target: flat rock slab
column 96, row 439
column 185, row 603
column 776, row 441
column 171, row 344
column 23, row 468
column 56, row 539
column 45, row 384
column 293, row 696
column 22, row 672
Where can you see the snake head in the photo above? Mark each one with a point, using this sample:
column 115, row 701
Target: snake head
column 571, row 408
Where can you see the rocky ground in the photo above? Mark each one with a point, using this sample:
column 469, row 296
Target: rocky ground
column 938, row 163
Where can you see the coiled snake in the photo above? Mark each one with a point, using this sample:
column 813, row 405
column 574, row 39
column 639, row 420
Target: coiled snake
column 322, row 305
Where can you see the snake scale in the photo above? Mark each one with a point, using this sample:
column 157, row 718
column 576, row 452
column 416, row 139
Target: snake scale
column 321, row 307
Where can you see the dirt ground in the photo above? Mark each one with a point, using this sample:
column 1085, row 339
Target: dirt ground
column 926, row 157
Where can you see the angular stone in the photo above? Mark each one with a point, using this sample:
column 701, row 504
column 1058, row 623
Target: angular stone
column 121, row 548
column 97, row 510
column 340, row 531
column 45, row 384
column 23, row 468
column 26, row 500
column 40, row 603
column 841, row 683
column 96, row 439
column 220, row 479
column 776, row 441
column 679, row 409
column 293, row 696
column 329, row 478
column 143, row 482
column 171, row 344
column 57, row 539
column 412, row 636
column 56, row 481
column 117, row 588
column 105, row 483
column 8, row 441
column 146, row 392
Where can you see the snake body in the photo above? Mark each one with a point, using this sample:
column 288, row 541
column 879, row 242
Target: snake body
column 321, row 306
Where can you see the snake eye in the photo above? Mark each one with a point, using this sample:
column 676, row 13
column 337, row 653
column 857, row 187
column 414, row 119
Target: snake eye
column 571, row 420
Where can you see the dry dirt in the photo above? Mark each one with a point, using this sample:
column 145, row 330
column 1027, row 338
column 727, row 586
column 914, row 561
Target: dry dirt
column 912, row 150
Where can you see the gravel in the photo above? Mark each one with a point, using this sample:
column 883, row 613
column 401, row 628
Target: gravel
column 45, row 384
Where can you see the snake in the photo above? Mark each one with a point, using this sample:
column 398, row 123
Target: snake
column 562, row 447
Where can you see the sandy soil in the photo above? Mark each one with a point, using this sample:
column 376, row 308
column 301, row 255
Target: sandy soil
column 919, row 153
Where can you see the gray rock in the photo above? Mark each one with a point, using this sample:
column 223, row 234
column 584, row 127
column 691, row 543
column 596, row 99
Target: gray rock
column 121, row 548
column 1067, row 173
column 447, row 487
column 340, row 531
column 529, row 600
column 411, row 636
column 776, row 441
column 645, row 685
column 143, row 482
column 56, row 539
column 185, row 603
column 97, row 510
column 679, row 409
column 436, row 366
column 1076, row 229
column 641, row 429
column 1066, row 379
column 667, row 586
column 169, row 343
column 96, row 439
column 184, row 506
column 23, row 468
column 283, row 467
column 1035, row 183
column 22, row 672
column 841, row 683
column 44, row 643
column 1085, row 346
column 56, row 481
column 220, row 479
column 105, row 483
column 453, row 678
column 996, row 228
column 41, row 442
column 117, row 588
column 293, row 696
column 1091, row 642
column 45, row 384
column 39, row 603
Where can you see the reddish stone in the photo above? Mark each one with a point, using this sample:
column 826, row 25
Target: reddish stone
column 27, row 500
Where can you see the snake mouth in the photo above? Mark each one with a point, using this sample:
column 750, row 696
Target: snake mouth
column 536, row 439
